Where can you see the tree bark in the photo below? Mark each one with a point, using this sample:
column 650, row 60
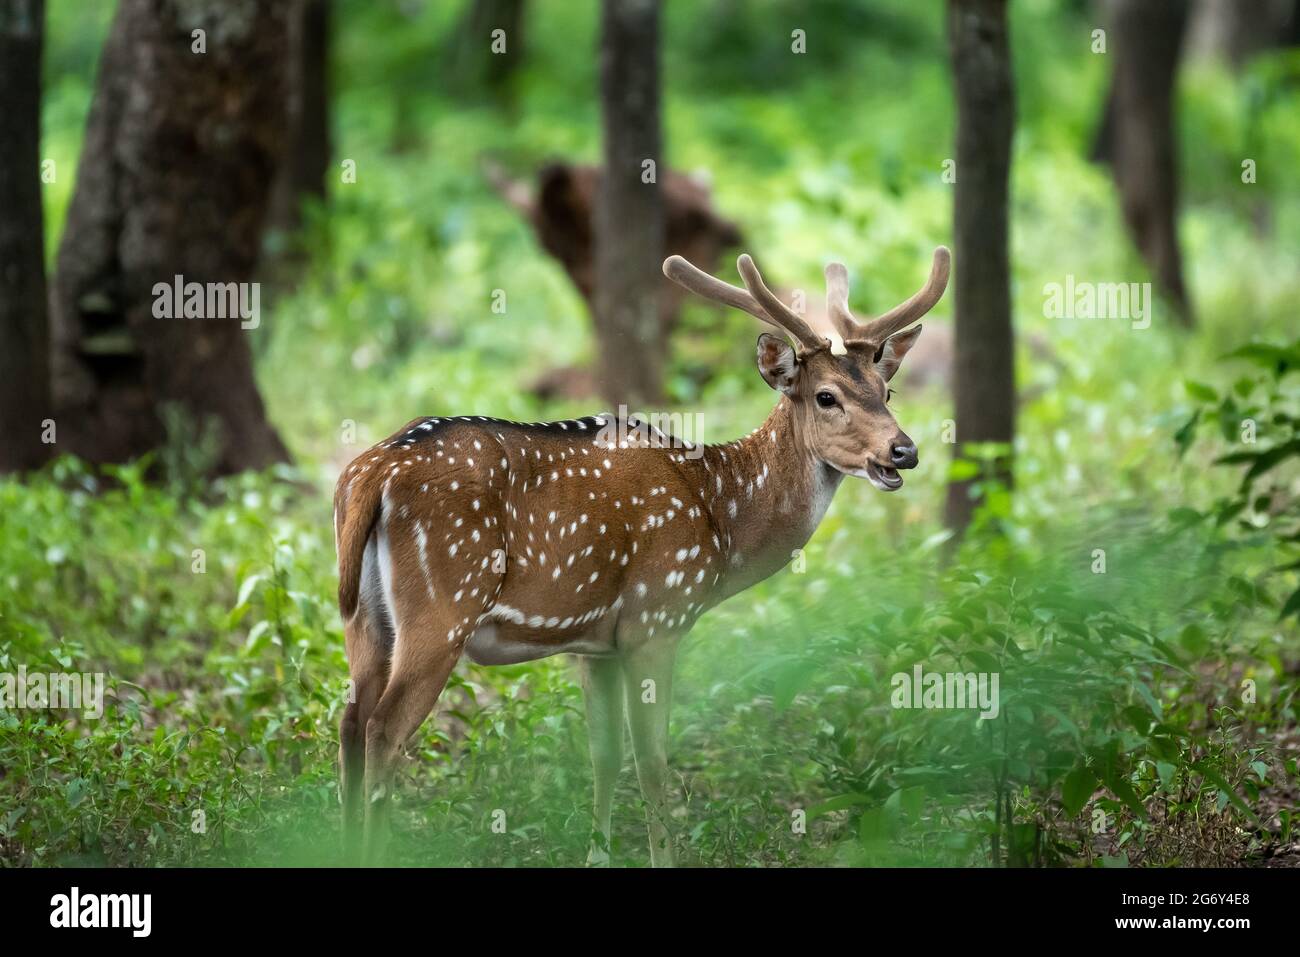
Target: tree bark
column 1236, row 30
column 629, row 216
column 1136, row 136
column 472, row 64
column 24, row 354
column 181, row 148
column 307, row 157
column 984, row 368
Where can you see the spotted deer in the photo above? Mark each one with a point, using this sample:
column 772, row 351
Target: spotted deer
column 600, row 538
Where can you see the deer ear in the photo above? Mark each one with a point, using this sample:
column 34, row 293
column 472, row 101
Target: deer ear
column 892, row 352
column 777, row 362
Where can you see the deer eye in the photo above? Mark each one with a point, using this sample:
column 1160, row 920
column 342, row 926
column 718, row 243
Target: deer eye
column 825, row 400
column 889, row 394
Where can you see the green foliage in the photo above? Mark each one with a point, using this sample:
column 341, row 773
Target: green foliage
column 1259, row 419
column 1125, row 733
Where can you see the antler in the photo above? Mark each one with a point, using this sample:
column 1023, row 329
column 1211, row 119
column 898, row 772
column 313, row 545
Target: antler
column 760, row 302
column 876, row 331
column 756, row 299
column 837, row 301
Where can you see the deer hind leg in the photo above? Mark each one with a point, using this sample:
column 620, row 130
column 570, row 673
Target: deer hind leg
column 368, row 640
column 423, row 660
column 602, row 684
column 648, row 680
column 434, row 603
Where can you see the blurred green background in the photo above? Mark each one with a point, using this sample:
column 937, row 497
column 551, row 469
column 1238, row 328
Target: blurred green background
column 1122, row 691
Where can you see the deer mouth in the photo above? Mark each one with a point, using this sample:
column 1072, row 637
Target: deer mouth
column 883, row 477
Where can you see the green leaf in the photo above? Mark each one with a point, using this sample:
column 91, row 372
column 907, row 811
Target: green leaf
column 255, row 633
column 874, row 826
column 960, row 470
column 1076, row 788
column 1194, row 639
column 838, row 803
column 1205, row 770
column 1184, row 437
column 1145, row 694
column 1120, row 787
column 1292, row 605
column 1168, row 773
column 907, row 802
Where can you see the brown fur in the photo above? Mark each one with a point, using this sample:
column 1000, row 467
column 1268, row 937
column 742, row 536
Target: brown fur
column 601, row 537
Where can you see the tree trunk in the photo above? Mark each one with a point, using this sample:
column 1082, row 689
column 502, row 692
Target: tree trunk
column 984, row 368
column 1236, row 30
column 180, row 150
column 24, row 355
column 1136, row 136
column 472, row 64
column 307, row 157
column 629, row 216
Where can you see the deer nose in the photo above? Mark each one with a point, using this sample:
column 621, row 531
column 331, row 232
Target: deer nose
column 903, row 456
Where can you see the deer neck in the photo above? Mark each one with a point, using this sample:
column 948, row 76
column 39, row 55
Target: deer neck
column 767, row 494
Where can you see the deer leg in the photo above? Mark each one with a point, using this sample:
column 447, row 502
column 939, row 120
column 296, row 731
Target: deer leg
column 602, row 684
column 648, row 681
column 423, row 660
column 368, row 665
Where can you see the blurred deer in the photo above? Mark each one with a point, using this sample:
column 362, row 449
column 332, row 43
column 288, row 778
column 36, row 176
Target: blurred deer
column 560, row 213
column 560, row 210
column 598, row 537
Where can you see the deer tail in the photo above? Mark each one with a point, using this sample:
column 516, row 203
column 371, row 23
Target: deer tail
column 355, row 512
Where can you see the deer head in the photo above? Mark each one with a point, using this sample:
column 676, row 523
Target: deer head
column 836, row 373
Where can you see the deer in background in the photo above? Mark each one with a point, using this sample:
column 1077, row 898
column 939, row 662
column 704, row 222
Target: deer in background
column 559, row 209
column 510, row 542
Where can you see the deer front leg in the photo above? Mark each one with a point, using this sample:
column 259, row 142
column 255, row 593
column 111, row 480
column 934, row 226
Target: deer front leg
column 648, row 681
column 602, row 684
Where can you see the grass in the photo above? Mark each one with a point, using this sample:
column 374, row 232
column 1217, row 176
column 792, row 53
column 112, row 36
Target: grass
column 1124, row 735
